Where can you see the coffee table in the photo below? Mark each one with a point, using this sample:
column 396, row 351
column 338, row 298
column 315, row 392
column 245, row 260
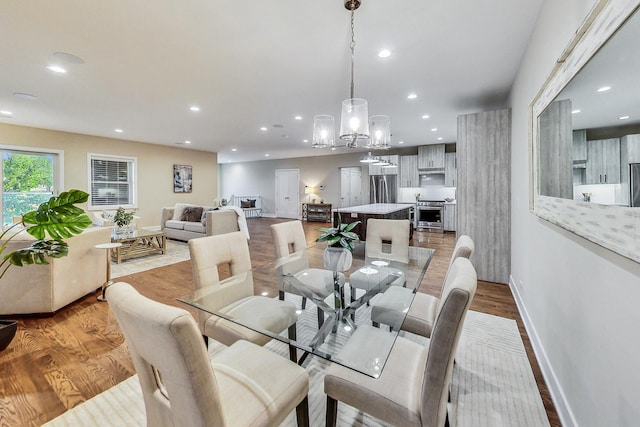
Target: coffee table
column 138, row 243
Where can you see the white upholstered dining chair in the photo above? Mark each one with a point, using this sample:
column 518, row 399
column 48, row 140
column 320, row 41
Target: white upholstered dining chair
column 412, row 389
column 288, row 238
column 387, row 239
column 244, row 385
column 387, row 307
column 235, row 297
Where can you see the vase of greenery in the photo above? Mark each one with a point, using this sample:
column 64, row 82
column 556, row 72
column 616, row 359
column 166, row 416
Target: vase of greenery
column 338, row 254
column 51, row 223
column 122, row 219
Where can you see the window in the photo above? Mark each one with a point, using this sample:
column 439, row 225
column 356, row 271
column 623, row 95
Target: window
column 30, row 176
column 112, row 181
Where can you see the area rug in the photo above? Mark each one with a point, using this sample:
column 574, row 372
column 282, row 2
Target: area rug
column 177, row 251
column 492, row 385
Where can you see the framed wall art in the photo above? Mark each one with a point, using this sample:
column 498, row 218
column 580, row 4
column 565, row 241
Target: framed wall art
column 182, row 178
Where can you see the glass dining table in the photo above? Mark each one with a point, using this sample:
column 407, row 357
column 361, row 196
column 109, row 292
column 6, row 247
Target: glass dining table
column 341, row 315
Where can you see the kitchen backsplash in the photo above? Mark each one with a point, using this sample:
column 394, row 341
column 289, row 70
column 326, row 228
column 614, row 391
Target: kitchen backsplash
column 431, row 192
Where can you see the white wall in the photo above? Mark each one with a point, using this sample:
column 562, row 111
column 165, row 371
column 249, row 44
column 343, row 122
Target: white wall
column 580, row 300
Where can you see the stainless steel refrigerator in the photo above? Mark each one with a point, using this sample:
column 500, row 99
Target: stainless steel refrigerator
column 634, row 185
column 383, row 189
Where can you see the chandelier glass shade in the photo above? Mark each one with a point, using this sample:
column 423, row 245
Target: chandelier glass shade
column 380, row 127
column 324, row 131
column 354, row 122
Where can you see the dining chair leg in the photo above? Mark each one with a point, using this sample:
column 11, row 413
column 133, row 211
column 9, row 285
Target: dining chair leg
column 375, row 324
column 304, row 302
column 281, row 295
column 293, row 353
column 320, row 317
column 332, row 412
column 206, row 341
column 302, row 413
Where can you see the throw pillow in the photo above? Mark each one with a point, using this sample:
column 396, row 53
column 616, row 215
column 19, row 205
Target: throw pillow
column 191, row 214
column 203, row 219
column 253, row 203
column 177, row 210
column 245, row 203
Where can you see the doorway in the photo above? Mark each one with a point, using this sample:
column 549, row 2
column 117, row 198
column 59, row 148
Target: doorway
column 288, row 193
column 350, row 187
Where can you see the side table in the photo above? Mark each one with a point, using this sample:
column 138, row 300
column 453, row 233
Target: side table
column 107, row 247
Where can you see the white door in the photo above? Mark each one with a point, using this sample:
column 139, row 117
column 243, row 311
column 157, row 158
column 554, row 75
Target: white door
column 350, row 187
column 288, row 193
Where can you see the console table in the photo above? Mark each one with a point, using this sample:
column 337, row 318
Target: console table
column 316, row 212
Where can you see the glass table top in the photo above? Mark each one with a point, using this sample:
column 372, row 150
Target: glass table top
column 331, row 294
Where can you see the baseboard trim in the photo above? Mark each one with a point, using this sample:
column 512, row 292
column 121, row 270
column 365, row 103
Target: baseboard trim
column 557, row 395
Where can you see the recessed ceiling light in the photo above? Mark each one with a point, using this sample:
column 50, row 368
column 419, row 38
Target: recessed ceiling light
column 187, row 142
column 263, row 129
column 384, row 53
column 234, row 149
column 400, row 142
column 575, row 111
column 56, row 69
column 6, row 113
column 604, row 88
column 425, row 116
column 194, row 108
column 434, row 129
column 118, row 130
column 412, row 96
column 25, row 96
column 68, row 57
column 440, row 138
column 298, row 117
column 623, row 118
column 305, row 140
column 266, row 155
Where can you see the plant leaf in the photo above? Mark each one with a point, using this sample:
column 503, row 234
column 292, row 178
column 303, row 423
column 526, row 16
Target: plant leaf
column 58, row 217
column 37, row 252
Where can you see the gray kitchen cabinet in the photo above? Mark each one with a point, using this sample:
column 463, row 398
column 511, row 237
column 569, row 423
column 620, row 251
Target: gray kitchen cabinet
column 603, row 161
column 450, row 170
column 449, row 220
column 431, row 156
column 409, row 171
column 629, row 150
column 580, row 145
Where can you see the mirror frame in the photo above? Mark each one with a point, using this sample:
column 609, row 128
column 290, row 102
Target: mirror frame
column 613, row 227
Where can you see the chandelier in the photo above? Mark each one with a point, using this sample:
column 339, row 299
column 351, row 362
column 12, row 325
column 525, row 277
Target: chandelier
column 355, row 124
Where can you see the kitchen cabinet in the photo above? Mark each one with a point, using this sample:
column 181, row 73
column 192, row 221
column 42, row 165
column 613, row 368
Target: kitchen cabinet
column 317, row 212
column 409, row 171
column 449, row 217
column 385, row 170
column 603, row 161
column 580, row 145
column 431, row 156
column 450, row 170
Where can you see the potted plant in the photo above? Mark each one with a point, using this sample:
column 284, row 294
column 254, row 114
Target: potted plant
column 338, row 254
column 53, row 221
column 122, row 219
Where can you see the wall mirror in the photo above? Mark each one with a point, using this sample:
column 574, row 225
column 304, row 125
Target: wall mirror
column 585, row 129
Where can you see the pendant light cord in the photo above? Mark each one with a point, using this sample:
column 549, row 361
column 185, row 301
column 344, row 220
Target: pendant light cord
column 353, row 46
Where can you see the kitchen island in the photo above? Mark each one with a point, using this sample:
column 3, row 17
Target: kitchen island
column 376, row 210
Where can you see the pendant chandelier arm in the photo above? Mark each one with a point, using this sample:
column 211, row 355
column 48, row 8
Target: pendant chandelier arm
column 353, row 49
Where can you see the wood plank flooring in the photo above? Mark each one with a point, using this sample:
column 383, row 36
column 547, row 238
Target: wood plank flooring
column 57, row 362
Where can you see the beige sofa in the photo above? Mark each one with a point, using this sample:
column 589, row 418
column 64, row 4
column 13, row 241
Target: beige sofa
column 46, row 288
column 219, row 221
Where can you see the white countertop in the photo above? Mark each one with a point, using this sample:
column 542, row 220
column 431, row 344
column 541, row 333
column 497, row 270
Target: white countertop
column 375, row 208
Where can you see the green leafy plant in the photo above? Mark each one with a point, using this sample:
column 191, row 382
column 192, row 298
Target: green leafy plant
column 340, row 235
column 122, row 218
column 58, row 219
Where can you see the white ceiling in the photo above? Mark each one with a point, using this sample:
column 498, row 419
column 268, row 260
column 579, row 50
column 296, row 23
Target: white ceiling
column 253, row 64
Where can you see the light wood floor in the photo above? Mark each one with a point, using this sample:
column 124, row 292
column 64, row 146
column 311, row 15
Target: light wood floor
column 57, row 362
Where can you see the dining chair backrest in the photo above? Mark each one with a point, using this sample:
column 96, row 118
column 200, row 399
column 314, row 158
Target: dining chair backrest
column 208, row 253
column 395, row 232
column 459, row 289
column 178, row 383
column 288, row 237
